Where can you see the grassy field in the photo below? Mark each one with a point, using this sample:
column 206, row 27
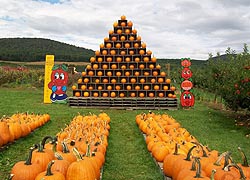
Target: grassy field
column 127, row 156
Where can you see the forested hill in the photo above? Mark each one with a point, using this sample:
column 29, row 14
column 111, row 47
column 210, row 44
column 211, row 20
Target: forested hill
column 35, row 49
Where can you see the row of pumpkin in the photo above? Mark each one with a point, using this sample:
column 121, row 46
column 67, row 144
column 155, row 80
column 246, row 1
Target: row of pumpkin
column 77, row 152
column 19, row 125
column 182, row 157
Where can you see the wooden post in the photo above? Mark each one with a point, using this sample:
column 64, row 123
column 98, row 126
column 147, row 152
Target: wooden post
column 49, row 63
column 168, row 69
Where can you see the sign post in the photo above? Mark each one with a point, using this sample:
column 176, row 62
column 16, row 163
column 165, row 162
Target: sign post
column 49, row 63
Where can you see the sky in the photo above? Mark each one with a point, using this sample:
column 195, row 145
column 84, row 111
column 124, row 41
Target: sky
column 170, row 28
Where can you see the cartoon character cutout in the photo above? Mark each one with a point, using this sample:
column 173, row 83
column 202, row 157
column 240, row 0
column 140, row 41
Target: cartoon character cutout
column 186, row 73
column 186, row 63
column 187, row 99
column 58, row 83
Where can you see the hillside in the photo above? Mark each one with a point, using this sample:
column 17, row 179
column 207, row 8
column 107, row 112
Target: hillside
column 35, row 49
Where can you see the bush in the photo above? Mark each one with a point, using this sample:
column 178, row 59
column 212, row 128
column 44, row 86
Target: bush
column 227, row 76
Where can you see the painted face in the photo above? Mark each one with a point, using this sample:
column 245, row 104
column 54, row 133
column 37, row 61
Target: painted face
column 186, row 63
column 187, row 99
column 186, row 85
column 186, row 73
column 59, row 77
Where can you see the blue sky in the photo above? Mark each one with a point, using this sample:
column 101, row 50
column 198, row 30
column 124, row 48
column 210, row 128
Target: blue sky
column 49, row 1
column 170, row 28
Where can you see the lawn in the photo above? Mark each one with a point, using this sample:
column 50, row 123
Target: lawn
column 127, row 156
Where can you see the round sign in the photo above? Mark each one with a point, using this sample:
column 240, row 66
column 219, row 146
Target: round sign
column 186, row 85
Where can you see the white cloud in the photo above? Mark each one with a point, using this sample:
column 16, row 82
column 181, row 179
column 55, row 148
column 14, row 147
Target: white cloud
column 171, row 29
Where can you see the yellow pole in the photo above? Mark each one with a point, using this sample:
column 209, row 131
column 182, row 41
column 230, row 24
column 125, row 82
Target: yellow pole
column 49, row 63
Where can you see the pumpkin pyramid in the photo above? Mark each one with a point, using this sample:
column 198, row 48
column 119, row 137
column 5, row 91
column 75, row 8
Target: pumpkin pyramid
column 123, row 68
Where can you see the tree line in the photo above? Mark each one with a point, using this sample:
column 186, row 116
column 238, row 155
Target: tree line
column 35, row 49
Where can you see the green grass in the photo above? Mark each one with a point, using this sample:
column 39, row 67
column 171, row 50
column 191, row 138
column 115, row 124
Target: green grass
column 127, row 156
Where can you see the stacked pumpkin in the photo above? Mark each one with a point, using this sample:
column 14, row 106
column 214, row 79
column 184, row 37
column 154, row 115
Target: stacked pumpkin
column 19, row 125
column 77, row 152
column 123, row 67
column 181, row 156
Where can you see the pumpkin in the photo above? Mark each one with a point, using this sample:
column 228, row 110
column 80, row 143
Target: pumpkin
column 134, row 31
column 92, row 59
column 5, row 132
column 131, row 52
column 97, row 81
column 153, row 59
column 136, row 45
column 118, row 59
column 194, row 172
column 48, row 175
column 102, row 46
column 151, row 94
column 141, row 95
column 128, row 87
column 122, row 53
column 131, row 38
column 108, row 45
column 130, row 23
column 119, row 31
column 143, row 45
column 113, row 38
column 112, row 94
column 25, row 170
column 127, row 59
column 118, row 73
column 182, row 163
column 141, row 52
column 113, row 80
column 127, row 73
column 123, row 24
column 127, row 45
column 86, row 94
column 66, row 154
column 137, row 87
column 81, row 169
column 132, row 94
column 109, row 59
column 41, row 157
column 104, row 66
column 113, row 66
column 142, row 80
column 72, row 87
column 99, row 59
column 60, row 165
column 118, row 45
column 77, row 94
column 122, row 38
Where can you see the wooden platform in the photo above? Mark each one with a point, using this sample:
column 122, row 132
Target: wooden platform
column 124, row 103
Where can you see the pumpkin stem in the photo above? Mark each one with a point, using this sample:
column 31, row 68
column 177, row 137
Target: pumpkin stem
column 217, row 162
column 198, row 170
column 244, row 158
column 242, row 176
column 45, row 139
column 77, row 154
column 176, row 147
column 88, row 154
column 49, row 172
column 28, row 161
column 58, row 156
column 188, row 158
column 10, row 176
column 212, row 175
column 65, row 148
column 193, row 167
